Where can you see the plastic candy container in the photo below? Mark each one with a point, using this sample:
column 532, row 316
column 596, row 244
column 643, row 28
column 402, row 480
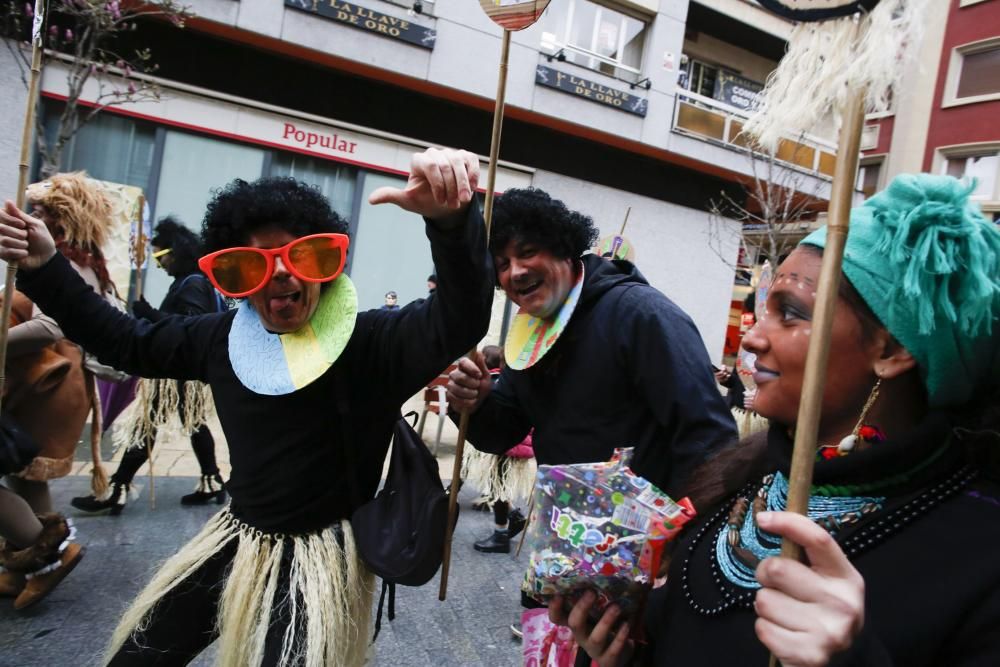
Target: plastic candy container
column 599, row 526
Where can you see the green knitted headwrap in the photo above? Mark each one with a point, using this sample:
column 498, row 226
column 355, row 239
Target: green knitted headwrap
column 927, row 263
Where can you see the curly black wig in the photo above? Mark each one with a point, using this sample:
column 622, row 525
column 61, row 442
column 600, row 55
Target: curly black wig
column 184, row 244
column 529, row 215
column 240, row 208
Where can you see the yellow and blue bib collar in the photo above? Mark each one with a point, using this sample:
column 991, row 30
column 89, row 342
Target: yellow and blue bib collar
column 530, row 338
column 275, row 364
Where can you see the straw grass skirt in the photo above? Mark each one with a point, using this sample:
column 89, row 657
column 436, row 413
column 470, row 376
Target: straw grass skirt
column 499, row 477
column 327, row 596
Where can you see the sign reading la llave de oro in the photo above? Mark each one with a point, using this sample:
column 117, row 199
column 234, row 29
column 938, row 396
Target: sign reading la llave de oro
column 369, row 20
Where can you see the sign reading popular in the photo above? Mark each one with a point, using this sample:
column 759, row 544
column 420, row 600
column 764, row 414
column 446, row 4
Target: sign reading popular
column 368, row 19
column 591, row 90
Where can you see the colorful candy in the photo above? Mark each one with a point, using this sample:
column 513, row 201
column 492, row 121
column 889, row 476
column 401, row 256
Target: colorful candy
column 600, row 527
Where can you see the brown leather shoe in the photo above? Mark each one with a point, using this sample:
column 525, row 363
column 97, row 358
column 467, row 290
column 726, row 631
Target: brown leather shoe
column 11, row 584
column 40, row 585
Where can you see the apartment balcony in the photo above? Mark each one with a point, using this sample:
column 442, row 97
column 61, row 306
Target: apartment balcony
column 709, row 120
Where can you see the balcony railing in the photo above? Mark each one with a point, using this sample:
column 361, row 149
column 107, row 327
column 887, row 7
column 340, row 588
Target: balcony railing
column 712, row 120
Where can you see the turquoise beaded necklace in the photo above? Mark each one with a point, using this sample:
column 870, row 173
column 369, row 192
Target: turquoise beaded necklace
column 743, row 545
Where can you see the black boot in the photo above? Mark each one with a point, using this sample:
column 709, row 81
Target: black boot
column 113, row 500
column 497, row 543
column 210, row 488
column 515, row 523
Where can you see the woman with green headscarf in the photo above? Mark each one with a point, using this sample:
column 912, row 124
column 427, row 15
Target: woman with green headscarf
column 903, row 530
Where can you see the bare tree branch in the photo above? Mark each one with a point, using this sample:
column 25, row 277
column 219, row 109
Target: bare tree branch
column 90, row 33
column 778, row 201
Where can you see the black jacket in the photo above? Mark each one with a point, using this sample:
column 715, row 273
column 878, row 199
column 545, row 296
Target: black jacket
column 192, row 294
column 289, row 470
column 630, row 369
column 932, row 571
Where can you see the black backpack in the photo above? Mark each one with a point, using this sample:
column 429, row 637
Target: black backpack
column 400, row 532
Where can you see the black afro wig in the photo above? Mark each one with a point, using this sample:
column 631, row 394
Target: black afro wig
column 240, row 208
column 184, row 244
column 529, row 215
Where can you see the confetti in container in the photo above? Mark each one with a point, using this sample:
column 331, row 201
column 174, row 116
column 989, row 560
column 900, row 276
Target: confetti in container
column 601, row 527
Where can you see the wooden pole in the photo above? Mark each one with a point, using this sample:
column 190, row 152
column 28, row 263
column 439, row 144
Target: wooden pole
column 463, row 423
column 139, row 250
column 22, row 178
column 625, row 221
column 810, row 404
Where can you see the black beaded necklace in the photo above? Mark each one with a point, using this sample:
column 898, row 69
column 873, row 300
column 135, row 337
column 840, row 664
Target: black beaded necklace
column 861, row 540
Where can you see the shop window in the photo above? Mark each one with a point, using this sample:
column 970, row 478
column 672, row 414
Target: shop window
column 109, row 147
column 595, row 36
column 336, row 181
column 974, row 73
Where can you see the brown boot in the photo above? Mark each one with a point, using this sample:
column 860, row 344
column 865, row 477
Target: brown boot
column 11, row 584
column 46, row 562
column 39, row 585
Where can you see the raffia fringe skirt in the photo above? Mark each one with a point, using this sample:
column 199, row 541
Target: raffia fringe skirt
column 329, row 595
column 487, row 473
column 155, row 408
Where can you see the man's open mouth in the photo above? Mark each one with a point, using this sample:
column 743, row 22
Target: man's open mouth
column 528, row 289
column 283, row 301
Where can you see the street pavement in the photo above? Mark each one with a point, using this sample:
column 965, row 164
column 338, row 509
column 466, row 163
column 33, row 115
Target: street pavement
column 71, row 626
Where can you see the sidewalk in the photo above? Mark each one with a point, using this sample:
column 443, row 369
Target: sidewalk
column 71, row 627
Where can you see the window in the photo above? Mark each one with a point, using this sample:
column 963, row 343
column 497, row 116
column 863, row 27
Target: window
column 110, row 147
column 983, row 167
column 974, row 73
column 869, row 176
column 698, row 77
column 595, row 36
column 337, row 182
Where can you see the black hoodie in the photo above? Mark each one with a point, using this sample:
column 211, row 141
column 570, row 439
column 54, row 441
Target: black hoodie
column 630, row 369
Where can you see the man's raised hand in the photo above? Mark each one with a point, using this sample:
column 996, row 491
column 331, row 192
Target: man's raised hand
column 24, row 238
column 442, row 182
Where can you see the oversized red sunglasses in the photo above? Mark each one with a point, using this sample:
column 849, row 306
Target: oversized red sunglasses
column 239, row 272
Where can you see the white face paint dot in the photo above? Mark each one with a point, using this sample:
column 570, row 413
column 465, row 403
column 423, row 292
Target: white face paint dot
column 801, row 286
column 814, row 295
column 795, row 333
column 809, row 332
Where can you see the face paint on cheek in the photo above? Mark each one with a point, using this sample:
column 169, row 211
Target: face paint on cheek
column 809, row 332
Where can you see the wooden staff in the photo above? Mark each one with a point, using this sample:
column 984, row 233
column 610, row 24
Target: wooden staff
column 814, row 381
column 139, row 250
column 463, row 423
column 22, row 178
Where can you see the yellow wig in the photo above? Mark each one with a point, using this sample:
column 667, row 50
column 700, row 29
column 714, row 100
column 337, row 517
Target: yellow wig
column 77, row 204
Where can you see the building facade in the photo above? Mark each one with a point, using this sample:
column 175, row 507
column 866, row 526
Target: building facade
column 945, row 120
column 612, row 105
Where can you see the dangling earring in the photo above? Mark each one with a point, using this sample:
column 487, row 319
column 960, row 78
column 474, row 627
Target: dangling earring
column 861, row 430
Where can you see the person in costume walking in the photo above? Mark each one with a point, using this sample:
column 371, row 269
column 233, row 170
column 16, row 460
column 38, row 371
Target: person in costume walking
column 596, row 357
column 275, row 576
column 176, row 250
column 50, row 393
column 905, row 489
column 501, row 479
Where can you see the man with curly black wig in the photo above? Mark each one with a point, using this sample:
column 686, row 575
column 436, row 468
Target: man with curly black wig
column 276, row 577
column 596, row 357
column 176, row 250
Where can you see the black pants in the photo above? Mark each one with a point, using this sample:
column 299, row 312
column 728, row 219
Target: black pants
column 183, row 624
column 201, row 442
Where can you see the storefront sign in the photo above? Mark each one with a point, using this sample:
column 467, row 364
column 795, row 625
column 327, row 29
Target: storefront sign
column 736, row 91
column 368, row 19
column 591, row 90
